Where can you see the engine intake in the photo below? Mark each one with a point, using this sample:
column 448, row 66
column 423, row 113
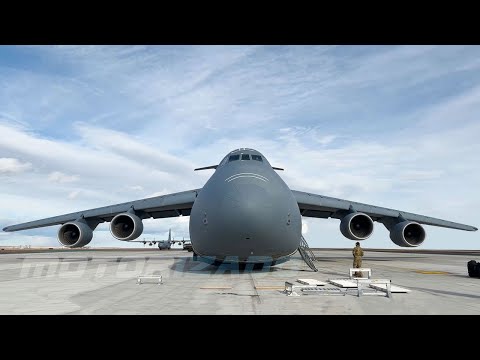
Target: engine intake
column 407, row 234
column 356, row 226
column 75, row 234
column 126, row 226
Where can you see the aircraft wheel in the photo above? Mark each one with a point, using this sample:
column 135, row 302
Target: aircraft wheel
column 471, row 266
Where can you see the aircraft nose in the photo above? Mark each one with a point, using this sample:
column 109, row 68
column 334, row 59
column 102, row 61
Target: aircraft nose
column 245, row 217
column 254, row 222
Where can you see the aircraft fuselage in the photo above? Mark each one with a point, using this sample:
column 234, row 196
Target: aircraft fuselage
column 163, row 245
column 245, row 213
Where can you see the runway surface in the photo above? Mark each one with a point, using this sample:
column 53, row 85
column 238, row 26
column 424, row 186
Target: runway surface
column 105, row 282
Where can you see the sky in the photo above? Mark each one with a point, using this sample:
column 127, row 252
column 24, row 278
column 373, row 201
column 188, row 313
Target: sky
column 89, row 126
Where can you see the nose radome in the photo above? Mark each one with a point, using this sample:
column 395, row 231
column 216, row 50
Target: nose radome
column 253, row 220
column 248, row 204
column 248, row 217
column 248, row 186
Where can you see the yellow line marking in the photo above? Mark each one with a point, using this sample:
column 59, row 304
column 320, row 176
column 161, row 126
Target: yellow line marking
column 432, row 272
column 216, row 287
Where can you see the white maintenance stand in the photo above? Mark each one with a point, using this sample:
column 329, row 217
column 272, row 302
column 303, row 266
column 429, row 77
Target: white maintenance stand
column 311, row 286
column 365, row 285
column 154, row 277
column 387, row 291
column 362, row 270
column 368, row 281
column 292, row 290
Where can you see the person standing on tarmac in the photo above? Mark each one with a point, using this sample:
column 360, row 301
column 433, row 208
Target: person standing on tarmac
column 357, row 258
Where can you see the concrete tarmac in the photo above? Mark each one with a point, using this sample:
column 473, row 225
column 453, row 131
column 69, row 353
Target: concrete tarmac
column 105, row 282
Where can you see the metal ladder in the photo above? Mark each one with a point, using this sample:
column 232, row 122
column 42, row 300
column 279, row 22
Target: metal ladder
column 307, row 254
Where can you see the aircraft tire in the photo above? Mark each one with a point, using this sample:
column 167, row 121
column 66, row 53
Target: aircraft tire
column 473, row 268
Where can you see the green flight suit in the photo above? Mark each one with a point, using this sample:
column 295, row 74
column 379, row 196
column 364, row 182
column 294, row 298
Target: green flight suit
column 357, row 259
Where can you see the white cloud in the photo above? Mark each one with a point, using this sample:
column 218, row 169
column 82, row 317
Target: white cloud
column 325, row 140
column 58, row 177
column 126, row 146
column 304, row 227
column 394, row 126
column 73, row 195
column 10, row 166
column 158, row 193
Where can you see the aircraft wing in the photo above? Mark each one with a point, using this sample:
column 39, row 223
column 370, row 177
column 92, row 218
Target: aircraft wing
column 160, row 241
column 163, row 206
column 173, row 242
column 312, row 205
column 147, row 241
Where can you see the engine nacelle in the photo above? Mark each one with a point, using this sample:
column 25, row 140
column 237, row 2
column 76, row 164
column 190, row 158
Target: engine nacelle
column 75, row 234
column 407, row 234
column 126, row 226
column 356, row 226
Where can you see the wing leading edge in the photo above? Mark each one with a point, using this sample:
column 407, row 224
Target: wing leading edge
column 312, row 205
column 163, row 206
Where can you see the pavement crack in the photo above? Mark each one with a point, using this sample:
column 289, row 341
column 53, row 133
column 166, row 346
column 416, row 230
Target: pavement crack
column 255, row 289
column 237, row 294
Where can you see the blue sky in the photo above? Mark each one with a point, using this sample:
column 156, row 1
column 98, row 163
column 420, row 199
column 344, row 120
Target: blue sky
column 88, row 126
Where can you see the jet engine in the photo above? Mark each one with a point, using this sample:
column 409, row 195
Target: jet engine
column 75, row 234
column 356, row 226
column 126, row 226
column 407, row 234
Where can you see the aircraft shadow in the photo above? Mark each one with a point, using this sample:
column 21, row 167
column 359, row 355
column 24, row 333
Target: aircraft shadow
column 466, row 276
column 365, row 258
column 445, row 292
column 61, row 259
column 105, row 259
column 393, row 258
column 188, row 265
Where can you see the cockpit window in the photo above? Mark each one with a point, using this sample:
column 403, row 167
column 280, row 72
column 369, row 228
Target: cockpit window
column 234, row 157
column 245, row 157
column 257, row 157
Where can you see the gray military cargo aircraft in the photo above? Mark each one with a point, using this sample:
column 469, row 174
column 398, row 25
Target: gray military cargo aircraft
column 162, row 244
column 245, row 213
